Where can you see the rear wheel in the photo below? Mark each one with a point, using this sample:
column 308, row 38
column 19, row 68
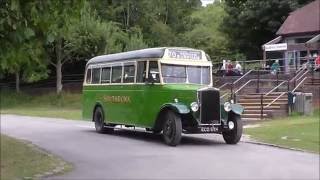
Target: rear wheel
column 172, row 129
column 233, row 136
column 99, row 122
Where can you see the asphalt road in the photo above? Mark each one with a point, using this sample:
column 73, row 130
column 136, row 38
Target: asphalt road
column 140, row 155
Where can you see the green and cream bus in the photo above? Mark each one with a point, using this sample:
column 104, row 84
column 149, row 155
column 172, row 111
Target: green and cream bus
column 165, row 90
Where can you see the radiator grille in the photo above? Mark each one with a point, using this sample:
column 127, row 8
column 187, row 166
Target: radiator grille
column 209, row 100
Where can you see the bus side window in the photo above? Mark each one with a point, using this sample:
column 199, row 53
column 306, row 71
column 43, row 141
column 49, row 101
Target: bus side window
column 95, row 76
column 128, row 76
column 88, row 80
column 105, row 75
column 116, row 74
column 154, row 71
column 141, row 71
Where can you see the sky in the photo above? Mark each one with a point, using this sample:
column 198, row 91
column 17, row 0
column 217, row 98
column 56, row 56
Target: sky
column 205, row 2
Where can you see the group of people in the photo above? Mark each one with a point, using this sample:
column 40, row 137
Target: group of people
column 228, row 69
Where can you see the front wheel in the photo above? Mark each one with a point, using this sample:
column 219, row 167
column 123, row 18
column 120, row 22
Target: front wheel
column 172, row 129
column 233, row 136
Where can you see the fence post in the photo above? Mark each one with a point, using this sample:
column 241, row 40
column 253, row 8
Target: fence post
column 231, row 91
column 312, row 74
column 261, row 106
column 277, row 80
column 258, row 83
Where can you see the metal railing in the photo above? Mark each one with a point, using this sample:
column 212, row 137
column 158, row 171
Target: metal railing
column 275, row 88
column 300, row 76
column 283, row 93
column 301, row 82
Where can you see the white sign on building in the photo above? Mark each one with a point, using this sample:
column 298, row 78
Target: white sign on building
column 276, row 47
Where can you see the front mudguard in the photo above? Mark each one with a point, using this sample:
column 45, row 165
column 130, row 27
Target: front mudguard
column 235, row 108
column 179, row 108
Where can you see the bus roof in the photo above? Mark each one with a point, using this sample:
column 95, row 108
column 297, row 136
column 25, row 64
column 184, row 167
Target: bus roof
column 137, row 54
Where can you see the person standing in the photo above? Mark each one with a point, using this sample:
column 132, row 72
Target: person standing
column 317, row 63
column 223, row 67
column 275, row 67
column 238, row 68
column 229, row 68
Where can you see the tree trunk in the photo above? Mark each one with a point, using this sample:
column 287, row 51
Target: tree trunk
column 167, row 12
column 59, row 67
column 128, row 16
column 59, row 76
column 18, row 82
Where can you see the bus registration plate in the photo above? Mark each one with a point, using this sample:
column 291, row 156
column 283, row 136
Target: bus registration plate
column 209, row 129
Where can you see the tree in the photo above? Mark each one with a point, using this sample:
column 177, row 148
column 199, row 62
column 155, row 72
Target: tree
column 160, row 21
column 135, row 41
column 20, row 51
column 204, row 32
column 90, row 36
column 73, row 32
column 251, row 23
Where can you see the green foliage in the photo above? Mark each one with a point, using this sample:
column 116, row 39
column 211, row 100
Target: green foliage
column 135, row 41
column 20, row 160
column 205, row 33
column 34, row 33
column 65, row 105
column 295, row 131
column 251, row 23
column 90, row 36
column 24, row 100
column 20, row 50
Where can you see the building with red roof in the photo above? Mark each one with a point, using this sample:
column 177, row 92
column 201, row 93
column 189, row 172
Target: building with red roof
column 298, row 38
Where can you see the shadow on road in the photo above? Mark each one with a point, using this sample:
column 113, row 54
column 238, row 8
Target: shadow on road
column 187, row 140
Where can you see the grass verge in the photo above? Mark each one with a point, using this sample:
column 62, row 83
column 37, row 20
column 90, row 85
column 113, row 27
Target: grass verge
column 66, row 105
column 20, row 160
column 295, row 131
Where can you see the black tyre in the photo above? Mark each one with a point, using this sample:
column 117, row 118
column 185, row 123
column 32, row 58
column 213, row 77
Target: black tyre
column 99, row 122
column 233, row 136
column 172, row 129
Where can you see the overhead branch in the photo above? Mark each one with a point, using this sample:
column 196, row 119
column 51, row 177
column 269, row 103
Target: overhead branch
column 53, row 64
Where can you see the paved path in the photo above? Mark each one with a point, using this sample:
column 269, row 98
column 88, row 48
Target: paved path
column 139, row 155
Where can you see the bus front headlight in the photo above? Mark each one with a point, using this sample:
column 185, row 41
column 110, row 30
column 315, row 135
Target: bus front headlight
column 194, row 106
column 227, row 106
